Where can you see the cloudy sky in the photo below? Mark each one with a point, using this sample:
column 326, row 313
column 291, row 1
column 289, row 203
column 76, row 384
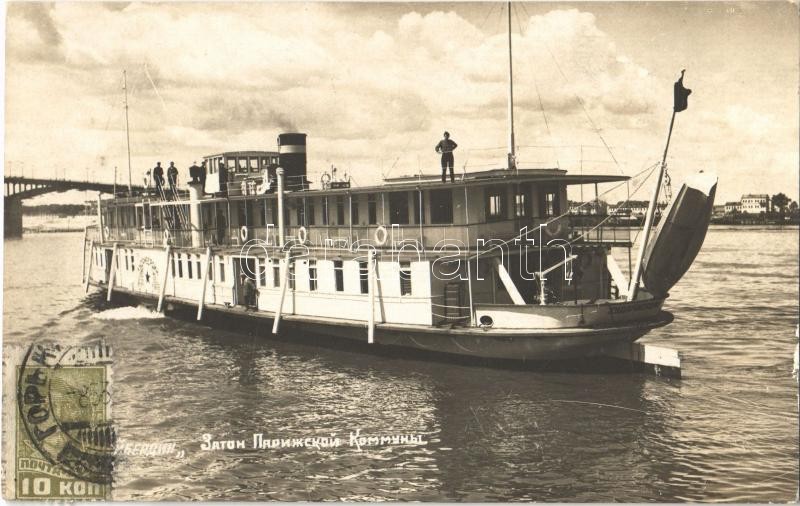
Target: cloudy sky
column 375, row 84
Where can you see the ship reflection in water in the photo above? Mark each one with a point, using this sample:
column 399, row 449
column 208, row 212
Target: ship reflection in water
column 727, row 431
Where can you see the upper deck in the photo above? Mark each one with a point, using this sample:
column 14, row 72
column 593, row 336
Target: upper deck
column 418, row 209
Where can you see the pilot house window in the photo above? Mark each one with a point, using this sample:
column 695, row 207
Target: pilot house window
column 550, row 204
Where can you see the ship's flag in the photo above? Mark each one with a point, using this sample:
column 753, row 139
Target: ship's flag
column 681, row 95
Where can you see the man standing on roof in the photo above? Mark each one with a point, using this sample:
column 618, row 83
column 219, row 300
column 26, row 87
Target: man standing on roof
column 158, row 176
column 446, row 147
column 172, row 176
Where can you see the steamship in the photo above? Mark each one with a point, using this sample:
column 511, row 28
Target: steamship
column 492, row 265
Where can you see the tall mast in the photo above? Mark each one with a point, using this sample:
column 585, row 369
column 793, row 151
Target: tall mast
column 511, row 151
column 127, row 131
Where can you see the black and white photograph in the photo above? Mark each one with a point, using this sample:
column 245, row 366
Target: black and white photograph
column 369, row 251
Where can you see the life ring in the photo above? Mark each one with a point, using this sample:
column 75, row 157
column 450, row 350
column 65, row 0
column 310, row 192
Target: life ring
column 549, row 232
column 243, row 233
column 166, row 237
column 106, row 231
column 381, row 235
column 302, row 235
column 325, row 179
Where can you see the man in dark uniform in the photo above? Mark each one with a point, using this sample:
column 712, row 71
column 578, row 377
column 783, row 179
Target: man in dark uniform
column 446, row 147
column 158, row 176
column 172, row 176
column 249, row 289
column 223, row 178
column 194, row 173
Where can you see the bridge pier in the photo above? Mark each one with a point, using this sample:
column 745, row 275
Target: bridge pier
column 12, row 221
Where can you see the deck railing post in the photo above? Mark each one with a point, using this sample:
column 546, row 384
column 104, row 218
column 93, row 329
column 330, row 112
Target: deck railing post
column 205, row 282
column 371, row 283
column 164, row 278
column 83, row 259
column 112, row 272
column 276, row 323
column 89, row 273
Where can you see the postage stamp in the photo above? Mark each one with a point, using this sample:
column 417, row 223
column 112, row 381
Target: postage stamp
column 64, row 436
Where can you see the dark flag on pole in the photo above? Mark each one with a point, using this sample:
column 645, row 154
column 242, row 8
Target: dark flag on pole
column 681, row 94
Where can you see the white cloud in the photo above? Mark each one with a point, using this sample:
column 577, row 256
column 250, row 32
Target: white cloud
column 233, row 75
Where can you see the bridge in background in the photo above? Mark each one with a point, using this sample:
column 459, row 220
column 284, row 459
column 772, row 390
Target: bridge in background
column 18, row 189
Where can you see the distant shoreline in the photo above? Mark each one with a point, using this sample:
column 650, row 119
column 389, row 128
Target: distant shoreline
column 713, row 226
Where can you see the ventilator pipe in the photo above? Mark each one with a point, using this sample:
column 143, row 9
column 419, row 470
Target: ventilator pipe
column 281, row 229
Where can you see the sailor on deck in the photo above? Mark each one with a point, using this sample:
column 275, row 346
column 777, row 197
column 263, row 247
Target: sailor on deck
column 446, row 147
column 172, row 176
column 158, row 176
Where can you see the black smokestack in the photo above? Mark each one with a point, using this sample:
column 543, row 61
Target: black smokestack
column 292, row 157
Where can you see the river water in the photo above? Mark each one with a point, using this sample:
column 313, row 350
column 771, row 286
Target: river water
column 727, row 431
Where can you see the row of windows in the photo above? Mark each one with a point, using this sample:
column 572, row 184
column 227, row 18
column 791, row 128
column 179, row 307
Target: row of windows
column 186, row 265
column 338, row 275
column 241, row 164
column 334, row 209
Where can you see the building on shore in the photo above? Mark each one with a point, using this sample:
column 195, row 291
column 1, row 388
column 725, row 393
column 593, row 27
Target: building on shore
column 755, row 203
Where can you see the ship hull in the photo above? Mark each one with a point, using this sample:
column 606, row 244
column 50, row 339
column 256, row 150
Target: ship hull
column 465, row 342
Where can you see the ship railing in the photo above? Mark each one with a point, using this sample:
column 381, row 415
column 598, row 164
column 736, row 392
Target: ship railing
column 599, row 229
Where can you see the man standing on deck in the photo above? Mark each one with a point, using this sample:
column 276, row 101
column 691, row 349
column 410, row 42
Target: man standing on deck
column 172, row 177
column 158, row 177
column 249, row 289
column 446, row 147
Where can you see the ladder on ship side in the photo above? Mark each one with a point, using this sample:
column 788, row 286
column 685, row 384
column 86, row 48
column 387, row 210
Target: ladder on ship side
column 174, row 213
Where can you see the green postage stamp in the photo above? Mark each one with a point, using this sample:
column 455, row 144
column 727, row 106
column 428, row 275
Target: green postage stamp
column 63, row 436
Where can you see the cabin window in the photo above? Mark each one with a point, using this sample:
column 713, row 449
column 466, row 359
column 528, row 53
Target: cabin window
column 520, row 205
column 262, row 273
column 325, row 210
column 291, row 275
column 276, row 273
column 127, row 268
column 312, row 275
column 133, row 266
column 173, row 266
column 189, row 266
column 354, row 209
column 310, row 212
column 441, row 206
column 340, row 210
column 221, row 269
column 197, row 264
column 495, row 205
column 363, row 276
column 419, row 215
column 180, row 265
column 254, row 164
column 398, row 208
column 405, row 278
column 338, row 273
column 372, row 209
column 301, row 214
